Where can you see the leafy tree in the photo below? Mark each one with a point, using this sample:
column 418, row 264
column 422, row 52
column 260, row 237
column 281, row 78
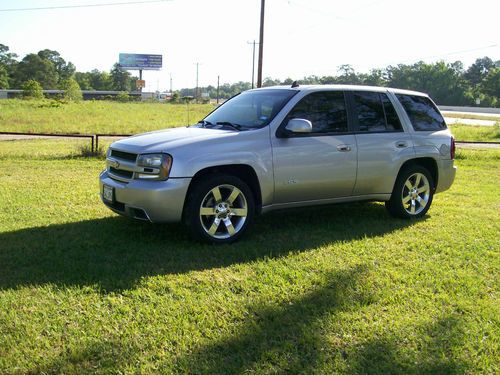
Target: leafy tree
column 175, row 97
column 72, row 90
column 100, row 80
column 32, row 90
column 268, row 81
column 83, row 80
column 328, row 80
column 310, row 80
column 6, row 57
column 4, row 78
column 491, row 85
column 8, row 64
column 479, row 70
column 64, row 69
column 33, row 67
column 444, row 82
column 121, row 79
column 376, row 77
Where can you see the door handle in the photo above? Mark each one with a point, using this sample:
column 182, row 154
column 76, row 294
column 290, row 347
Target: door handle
column 344, row 148
column 401, row 144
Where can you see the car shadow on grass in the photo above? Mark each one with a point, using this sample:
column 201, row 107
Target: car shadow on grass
column 437, row 353
column 304, row 335
column 114, row 253
column 286, row 337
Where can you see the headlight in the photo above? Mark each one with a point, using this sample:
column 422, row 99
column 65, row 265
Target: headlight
column 154, row 166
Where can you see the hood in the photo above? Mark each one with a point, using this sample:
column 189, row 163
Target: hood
column 165, row 140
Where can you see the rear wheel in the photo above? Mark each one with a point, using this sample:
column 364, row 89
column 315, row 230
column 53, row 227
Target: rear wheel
column 219, row 209
column 412, row 194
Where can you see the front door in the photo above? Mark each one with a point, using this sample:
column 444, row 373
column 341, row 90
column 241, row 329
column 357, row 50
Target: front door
column 320, row 164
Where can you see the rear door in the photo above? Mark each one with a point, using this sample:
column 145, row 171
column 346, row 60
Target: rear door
column 383, row 144
column 320, row 164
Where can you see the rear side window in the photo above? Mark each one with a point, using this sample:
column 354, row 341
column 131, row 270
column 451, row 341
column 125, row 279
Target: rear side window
column 423, row 114
column 326, row 111
column 375, row 112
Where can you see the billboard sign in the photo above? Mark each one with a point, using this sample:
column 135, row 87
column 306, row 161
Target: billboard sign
column 135, row 61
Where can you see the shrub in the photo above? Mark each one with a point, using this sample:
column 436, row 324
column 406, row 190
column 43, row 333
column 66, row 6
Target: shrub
column 72, row 90
column 87, row 152
column 123, row 96
column 175, row 98
column 32, row 90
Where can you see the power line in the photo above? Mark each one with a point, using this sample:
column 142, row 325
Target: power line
column 327, row 69
column 84, row 5
column 459, row 52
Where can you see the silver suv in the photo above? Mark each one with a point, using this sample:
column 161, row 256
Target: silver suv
column 281, row 147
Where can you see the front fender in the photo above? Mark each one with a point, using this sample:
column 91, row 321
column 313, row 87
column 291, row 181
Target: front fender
column 260, row 161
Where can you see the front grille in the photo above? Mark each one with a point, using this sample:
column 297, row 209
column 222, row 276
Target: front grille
column 121, row 173
column 123, row 155
column 119, row 206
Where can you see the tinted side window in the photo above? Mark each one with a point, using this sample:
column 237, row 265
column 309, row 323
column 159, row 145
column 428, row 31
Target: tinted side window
column 370, row 111
column 391, row 116
column 422, row 112
column 375, row 112
column 326, row 111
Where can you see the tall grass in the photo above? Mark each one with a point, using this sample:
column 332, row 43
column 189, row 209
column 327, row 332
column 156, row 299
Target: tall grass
column 476, row 133
column 90, row 117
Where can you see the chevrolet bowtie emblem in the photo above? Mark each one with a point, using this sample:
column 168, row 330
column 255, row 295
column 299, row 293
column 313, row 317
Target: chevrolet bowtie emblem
column 114, row 163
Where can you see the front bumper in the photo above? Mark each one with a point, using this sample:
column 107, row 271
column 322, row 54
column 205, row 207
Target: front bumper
column 156, row 201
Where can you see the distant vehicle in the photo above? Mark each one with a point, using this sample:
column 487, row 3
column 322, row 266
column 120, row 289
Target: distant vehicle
column 281, row 147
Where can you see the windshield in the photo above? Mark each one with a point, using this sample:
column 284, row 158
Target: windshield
column 250, row 109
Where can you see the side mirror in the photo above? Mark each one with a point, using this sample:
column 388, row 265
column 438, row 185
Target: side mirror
column 299, row 125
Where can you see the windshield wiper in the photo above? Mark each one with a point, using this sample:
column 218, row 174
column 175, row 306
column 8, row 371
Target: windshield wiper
column 205, row 123
column 230, row 124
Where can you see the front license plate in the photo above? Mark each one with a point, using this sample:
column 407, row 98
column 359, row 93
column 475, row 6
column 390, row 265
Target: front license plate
column 107, row 193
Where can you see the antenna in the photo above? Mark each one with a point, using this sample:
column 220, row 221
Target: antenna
column 295, row 84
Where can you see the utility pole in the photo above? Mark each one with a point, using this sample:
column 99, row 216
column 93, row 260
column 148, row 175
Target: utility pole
column 253, row 62
column 171, row 92
column 218, row 82
column 196, row 92
column 261, row 43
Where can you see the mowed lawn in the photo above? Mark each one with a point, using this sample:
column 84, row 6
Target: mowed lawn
column 340, row 289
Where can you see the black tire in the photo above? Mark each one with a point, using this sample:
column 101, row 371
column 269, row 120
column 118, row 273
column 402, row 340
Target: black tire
column 417, row 203
column 234, row 213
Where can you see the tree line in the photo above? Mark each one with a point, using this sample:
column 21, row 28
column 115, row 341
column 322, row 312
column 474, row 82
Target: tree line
column 446, row 83
column 52, row 71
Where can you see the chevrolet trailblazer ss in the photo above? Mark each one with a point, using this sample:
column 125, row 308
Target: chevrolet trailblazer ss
column 280, row 147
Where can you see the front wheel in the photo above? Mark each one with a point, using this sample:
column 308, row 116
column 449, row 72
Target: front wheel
column 219, row 209
column 412, row 194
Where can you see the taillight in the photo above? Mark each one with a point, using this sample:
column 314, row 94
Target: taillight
column 452, row 149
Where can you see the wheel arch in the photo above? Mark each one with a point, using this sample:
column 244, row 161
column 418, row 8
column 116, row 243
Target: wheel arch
column 243, row 171
column 428, row 163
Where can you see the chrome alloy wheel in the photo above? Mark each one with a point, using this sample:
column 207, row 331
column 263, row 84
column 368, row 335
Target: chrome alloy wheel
column 416, row 193
column 223, row 211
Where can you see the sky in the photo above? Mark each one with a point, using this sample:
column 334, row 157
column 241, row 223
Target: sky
column 302, row 37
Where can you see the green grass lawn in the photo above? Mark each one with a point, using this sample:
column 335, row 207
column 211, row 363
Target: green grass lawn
column 342, row 289
column 471, row 116
column 90, row 117
column 476, row 133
